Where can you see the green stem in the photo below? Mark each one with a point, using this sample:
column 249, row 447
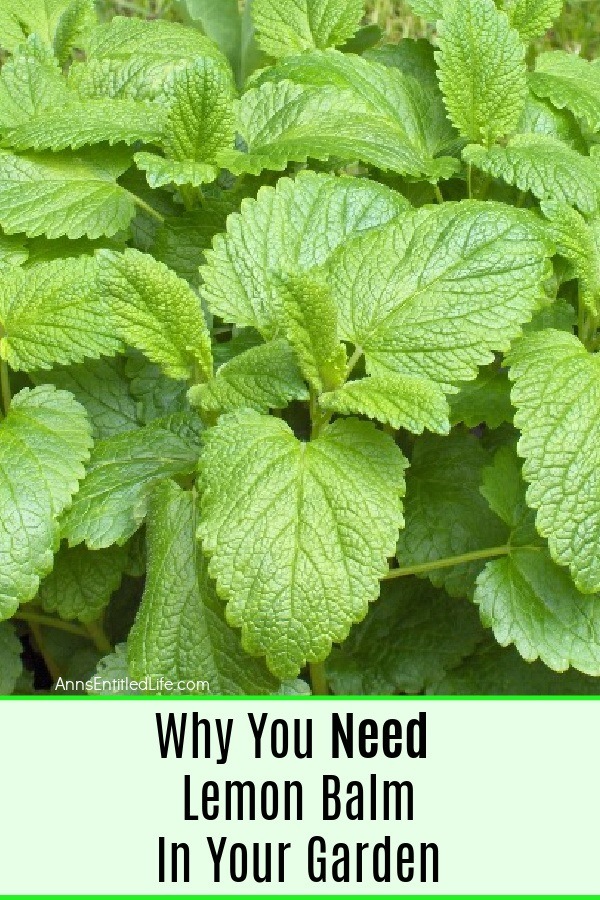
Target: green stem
column 96, row 633
column 473, row 556
column 438, row 194
column 146, row 207
column 318, row 679
column 51, row 664
column 5, row 386
column 470, row 181
column 358, row 352
column 34, row 618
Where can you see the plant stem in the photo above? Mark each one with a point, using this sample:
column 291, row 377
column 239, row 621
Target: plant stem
column 34, row 618
column 318, row 679
column 470, row 181
column 438, row 194
column 146, row 207
column 358, row 352
column 51, row 664
column 96, row 633
column 473, row 556
column 5, row 386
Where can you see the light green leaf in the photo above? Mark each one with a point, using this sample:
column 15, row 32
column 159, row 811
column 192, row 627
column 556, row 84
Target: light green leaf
column 293, row 227
column 411, row 106
column 102, row 388
column 579, row 242
column 157, row 312
column 482, row 70
column 483, row 401
column 503, row 487
column 559, row 314
column 446, row 515
column 130, row 57
column 82, row 582
column 58, row 23
column 437, row 291
column 532, row 18
column 48, row 433
column 557, row 396
column 310, row 320
column 76, row 123
column 540, row 117
column 30, row 81
column 494, row 670
column 160, row 171
column 180, row 631
column 11, row 666
column 298, row 533
column 112, row 674
column 52, row 313
column 430, row 10
column 402, row 401
column 263, row 378
column 113, row 498
column 569, row 82
column 409, row 640
column 72, row 194
column 304, row 24
column 532, row 603
column 385, row 119
column 543, row 165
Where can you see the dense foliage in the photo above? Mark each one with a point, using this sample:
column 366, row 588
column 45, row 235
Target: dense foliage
column 299, row 349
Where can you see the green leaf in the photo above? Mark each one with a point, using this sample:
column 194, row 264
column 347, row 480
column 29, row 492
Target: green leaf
column 304, row 24
column 113, row 498
column 51, row 313
column 482, row 70
column 112, row 674
column 543, row 165
column 182, row 241
column 13, row 251
column 180, row 631
column 155, row 394
column 293, row 227
column 200, row 118
column 298, row 534
column 11, row 666
column 283, row 122
column 29, row 82
column 569, row 82
column 72, row 194
column 310, row 320
column 263, row 378
column 48, row 433
column 579, row 242
column 82, row 582
column 222, row 23
column 409, row 106
column 78, row 123
column 402, row 401
column 446, row 515
column 409, row 640
column 431, row 10
column 557, row 394
column 160, row 171
column 437, row 291
column 58, row 23
column 102, row 389
column 485, row 401
column 532, row 18
column 157, row 312
column 540, row 117
column 559, row 314
column 503, row 487
column 130, row 57
column 530, row 602
column 494, row 670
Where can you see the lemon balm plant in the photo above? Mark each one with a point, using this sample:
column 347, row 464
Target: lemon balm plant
column 298, row 349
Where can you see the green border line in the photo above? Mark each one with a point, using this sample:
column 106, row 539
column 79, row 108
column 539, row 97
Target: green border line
column 304, row 698
column 301, row 896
